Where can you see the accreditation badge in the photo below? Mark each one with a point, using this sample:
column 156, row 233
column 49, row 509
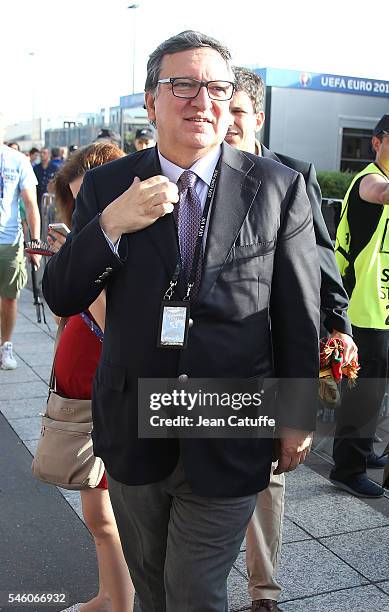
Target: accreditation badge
column 173, row 324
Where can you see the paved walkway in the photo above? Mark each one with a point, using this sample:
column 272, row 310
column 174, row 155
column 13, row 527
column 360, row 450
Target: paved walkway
column 335, row 555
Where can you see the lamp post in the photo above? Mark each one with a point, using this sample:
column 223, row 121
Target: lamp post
column 31, row 54
column 133, row 6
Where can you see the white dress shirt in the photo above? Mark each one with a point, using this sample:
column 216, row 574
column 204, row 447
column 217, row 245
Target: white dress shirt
column 203, row 168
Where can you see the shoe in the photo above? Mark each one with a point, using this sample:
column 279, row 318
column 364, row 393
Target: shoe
column 265, row 605
column 375, row 462
column 7, row 360
column 360, row 486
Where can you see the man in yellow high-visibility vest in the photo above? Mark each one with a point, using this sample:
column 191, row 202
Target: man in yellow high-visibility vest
column 362, row 253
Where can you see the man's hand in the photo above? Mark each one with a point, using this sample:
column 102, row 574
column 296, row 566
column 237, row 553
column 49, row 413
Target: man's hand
column 291, row 448
column 34, row 259
column 139, row 206
column 55, row 240
column 350, row 348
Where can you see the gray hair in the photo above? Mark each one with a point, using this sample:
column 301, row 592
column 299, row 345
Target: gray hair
column 246, row 80
column 180, row 42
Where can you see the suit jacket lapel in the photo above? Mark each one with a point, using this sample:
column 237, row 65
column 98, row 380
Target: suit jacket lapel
column 234, row 196
column 269, row 154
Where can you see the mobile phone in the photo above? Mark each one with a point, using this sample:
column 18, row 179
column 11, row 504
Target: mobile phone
column 60, row 227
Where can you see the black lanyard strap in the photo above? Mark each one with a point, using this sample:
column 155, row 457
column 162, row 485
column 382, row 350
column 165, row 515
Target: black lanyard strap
column 199, row 242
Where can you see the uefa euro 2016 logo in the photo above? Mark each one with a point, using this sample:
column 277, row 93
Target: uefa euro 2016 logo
column 305, row 79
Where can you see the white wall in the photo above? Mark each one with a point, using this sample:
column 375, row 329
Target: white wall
column 308, row 124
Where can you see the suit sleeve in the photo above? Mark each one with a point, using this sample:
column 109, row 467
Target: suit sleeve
column 334, row 299
column 76, row 275
column 295, row 312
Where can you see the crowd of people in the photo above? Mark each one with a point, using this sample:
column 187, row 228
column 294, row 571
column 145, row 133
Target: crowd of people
column 234, row 233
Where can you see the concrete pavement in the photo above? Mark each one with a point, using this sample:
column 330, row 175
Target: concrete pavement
column 335, row 555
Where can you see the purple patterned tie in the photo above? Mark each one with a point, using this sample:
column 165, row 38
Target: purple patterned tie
column 189, row 216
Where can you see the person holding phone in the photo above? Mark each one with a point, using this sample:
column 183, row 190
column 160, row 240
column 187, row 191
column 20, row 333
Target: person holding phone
column 77, row 356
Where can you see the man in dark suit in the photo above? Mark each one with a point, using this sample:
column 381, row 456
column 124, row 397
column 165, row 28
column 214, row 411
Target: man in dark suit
column 182, row 505
column 264, row 533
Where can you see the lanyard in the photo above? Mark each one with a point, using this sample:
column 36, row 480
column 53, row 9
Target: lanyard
column 92, row 326
column 199, row 243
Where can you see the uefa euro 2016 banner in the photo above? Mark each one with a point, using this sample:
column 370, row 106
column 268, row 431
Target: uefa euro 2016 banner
column 336, row 83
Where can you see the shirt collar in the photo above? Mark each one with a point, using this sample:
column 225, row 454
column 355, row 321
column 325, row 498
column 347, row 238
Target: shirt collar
column 203, row 167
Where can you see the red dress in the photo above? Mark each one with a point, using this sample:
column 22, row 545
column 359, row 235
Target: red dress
column 78, row 354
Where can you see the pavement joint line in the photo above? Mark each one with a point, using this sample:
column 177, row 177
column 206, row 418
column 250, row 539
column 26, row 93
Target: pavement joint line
column 239, row 571
column 335, row 535
column 31, row 368
column 319, row 538
column 42, row 379
column 377, row 584
column 349, row 588
column 342, row 560
column 311, row 536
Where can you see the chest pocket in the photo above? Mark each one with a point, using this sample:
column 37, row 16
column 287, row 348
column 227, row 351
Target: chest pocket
column 247, row 251
column 243, row 286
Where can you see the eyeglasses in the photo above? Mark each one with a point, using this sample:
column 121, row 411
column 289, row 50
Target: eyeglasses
column 189, row 88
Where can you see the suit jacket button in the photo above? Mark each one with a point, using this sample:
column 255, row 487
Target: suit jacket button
column 190, row 322
column 183, row 378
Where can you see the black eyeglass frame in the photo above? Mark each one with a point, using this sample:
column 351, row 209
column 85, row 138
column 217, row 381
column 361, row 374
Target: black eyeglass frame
column 201, row 84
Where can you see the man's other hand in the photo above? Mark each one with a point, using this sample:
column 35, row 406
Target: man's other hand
column 56, row 240
column 350, row 348
column 35, row 260
column 139, row 206
column 291, row 448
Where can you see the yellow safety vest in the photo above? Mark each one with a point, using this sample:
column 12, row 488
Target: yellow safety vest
column 369, row 299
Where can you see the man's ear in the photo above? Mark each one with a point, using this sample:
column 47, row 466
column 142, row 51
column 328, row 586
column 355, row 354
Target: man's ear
column 260, row 120
column 150, row 105
column 375, row 143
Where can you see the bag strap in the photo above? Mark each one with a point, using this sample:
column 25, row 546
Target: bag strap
column 61, row 327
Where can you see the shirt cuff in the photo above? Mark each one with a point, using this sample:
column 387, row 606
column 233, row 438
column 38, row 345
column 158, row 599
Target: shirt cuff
column 113, row 246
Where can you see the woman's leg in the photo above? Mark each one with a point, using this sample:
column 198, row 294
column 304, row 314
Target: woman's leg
column 116, row 592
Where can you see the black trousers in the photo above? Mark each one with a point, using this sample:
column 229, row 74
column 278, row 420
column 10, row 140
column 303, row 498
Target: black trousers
column 358, row 413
